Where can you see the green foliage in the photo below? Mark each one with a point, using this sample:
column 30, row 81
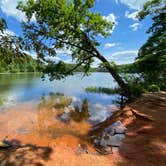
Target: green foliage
column 135, row 84
column 71, row 25
column 127, row 68
column 151, row 7
column 3, row 25
column 64, row 24
column 136, row 90
column 12, row 63
column 12, row 57
column 102, row 90
column 153, row 88
column 151, row 60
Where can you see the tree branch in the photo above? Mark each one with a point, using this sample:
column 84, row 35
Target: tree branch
column 75, row 67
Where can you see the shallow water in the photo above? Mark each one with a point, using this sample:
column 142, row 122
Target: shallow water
column 19, row 88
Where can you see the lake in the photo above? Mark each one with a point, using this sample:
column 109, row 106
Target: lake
column 19, row 88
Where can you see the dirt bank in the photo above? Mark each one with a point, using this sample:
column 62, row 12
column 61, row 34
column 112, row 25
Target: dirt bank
column 145, row 142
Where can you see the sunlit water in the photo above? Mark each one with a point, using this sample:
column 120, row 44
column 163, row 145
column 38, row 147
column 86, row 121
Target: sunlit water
column 19, row 88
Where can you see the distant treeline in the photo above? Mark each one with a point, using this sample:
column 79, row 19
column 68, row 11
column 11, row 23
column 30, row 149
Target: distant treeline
column 125, row 68
column 12, row 63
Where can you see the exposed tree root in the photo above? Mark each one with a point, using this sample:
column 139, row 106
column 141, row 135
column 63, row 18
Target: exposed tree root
column 138, row 114
column 123, row 115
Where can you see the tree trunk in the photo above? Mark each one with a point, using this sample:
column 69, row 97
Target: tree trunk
column 125, row 91
column 114, row 74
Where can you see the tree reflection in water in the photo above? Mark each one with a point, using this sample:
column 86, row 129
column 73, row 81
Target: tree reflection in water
column 57, row 116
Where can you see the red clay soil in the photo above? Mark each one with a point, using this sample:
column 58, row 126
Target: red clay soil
column 145, row 142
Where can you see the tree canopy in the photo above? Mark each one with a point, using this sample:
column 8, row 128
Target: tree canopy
column 3, row 25
column 12, row 57
column 151, row 60
column 67, row 24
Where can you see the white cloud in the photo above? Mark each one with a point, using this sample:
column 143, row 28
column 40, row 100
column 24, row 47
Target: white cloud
column 109, row 45
column 120, row 57
column 54, row 58
column 131, row 15
column 111, row 18
column 135, row 26
column 116, row 1
column 134, row 4
column 96, row 62
column 123, row 57
column 57, row 59
column 9, row 8
column 63, row 51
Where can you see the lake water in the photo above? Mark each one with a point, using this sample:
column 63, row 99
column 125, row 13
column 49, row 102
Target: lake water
column 19, row 88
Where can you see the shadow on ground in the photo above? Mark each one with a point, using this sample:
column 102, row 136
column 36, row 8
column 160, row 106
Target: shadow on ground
column 145, row 142
column 24, row 155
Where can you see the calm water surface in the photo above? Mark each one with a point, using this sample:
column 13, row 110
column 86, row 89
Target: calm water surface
column 19, row 88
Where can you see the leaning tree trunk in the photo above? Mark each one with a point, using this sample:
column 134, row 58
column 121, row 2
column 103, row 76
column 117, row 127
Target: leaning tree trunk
column 114, row 73
column 125, row 90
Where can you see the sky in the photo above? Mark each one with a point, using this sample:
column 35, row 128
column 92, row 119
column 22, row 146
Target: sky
column 122, row 46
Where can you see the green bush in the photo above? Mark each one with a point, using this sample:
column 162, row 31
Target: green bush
column 136, row 90
column 153, row 88
column 102, row 90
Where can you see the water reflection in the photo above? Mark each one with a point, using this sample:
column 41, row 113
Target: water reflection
column 81, row 114
column 55, row 100
column 14, row 86
column 18, row 88
column 66, row 108
column 56, row 116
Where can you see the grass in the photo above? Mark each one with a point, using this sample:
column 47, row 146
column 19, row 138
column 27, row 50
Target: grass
column 108, row 91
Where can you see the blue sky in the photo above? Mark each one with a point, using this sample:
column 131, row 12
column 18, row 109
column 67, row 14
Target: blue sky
column 122, row 46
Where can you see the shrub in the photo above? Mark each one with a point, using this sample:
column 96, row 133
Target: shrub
column 102, row 90
column 153, row 88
